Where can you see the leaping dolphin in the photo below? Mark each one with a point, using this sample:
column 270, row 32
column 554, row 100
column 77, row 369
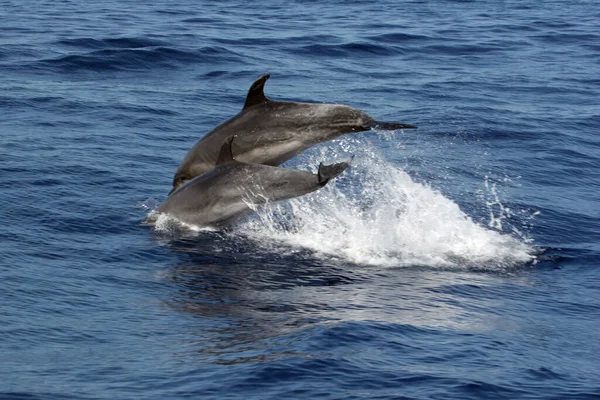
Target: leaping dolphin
column 271, row 132
column 232, row 189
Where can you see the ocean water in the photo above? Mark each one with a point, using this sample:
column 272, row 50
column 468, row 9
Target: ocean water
column 455, row 261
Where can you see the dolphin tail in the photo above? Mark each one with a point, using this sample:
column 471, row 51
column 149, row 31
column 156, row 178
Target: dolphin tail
column 328, row 172
column 391, row 126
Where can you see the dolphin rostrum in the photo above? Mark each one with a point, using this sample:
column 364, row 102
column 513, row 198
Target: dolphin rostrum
column 271, row 132
column 233, row 189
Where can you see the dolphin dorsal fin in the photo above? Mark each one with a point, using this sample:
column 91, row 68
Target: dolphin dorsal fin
column 256, row 94
column 226, row 155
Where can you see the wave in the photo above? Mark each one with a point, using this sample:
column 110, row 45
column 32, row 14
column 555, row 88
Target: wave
column 114, row 43
column 398, row 37
column 346, row 49
column 463, row 49
column 142, row 58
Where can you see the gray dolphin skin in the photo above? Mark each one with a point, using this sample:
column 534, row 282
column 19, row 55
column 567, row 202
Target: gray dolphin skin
column 232, row 189
column 271, row 132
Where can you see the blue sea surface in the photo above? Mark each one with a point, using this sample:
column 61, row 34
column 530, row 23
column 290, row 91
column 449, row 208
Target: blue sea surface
column 459, row 260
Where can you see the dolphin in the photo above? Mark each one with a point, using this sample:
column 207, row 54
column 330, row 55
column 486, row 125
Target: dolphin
column 271, row 132
column 233, row 189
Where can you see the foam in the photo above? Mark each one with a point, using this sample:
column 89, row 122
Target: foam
column 376, row 214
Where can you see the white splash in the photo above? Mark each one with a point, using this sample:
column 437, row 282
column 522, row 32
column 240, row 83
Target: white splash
column 374, row 213
column 165, row 224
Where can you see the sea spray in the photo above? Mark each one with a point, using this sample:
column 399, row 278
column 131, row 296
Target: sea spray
column 376, row 214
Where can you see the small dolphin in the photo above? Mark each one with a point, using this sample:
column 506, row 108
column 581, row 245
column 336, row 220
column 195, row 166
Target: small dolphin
column 233, row 189
column 271, row 132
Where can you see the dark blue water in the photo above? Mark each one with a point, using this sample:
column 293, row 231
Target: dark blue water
column 456, row 261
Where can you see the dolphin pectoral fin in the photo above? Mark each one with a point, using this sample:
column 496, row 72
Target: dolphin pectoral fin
column 256, row 94
column 390, row 125
column 226, row 155
column 328, row 172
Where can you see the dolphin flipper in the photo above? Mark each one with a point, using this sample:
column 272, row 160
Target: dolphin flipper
column 256, row 93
